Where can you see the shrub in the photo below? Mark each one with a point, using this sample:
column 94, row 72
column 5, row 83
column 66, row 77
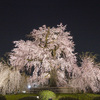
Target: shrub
column 46, row 95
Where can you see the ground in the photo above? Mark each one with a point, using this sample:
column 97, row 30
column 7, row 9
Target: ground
column 79, row 96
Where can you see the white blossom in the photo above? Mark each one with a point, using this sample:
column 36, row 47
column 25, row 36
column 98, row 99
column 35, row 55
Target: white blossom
column 51, row 48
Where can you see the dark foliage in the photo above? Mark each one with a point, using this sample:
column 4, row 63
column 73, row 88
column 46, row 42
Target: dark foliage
column 96, row 98
column 29, row 98
column 68, row 98
column 2, row 97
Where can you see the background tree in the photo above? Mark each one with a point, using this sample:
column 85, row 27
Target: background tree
column 49, row 48
column 89, row 79
column 11, row 80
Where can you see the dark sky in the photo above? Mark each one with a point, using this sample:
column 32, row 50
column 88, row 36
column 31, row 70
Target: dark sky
column 20, row 17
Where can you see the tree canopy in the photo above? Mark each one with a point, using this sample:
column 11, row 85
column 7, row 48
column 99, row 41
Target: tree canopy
column 51, row 48
column 50, row 58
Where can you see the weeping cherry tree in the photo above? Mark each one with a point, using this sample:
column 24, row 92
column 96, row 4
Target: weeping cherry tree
column 11, row 80
column 89, row 79
column 49, row 49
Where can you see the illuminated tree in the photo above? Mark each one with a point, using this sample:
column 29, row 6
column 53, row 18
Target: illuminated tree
column 89, row 79
column 49, row 49
column 11, row 81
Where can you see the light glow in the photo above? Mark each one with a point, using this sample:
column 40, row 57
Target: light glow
column 29, row 86
column 23, row 91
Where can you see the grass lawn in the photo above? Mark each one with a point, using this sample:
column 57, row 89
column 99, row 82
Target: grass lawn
column 77, row 96
column 18, row 96
column 84, row 96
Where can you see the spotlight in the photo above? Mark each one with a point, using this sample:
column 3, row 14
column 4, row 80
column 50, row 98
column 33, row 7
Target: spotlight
column 29, row 86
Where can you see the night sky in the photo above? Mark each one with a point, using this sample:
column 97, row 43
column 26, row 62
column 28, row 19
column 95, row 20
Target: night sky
column 20, row 17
